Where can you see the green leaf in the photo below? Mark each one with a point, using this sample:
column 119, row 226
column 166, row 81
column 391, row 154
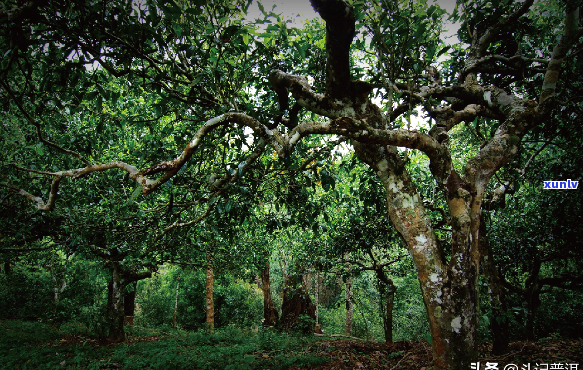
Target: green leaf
column 90, row 95
column 194, row 11
column 430, row 10
column 176, row 27
column 114, row 97
column 300, row 49
column 137, row 191
column 442, row 51
column 430, row 52
column 421, row 28
column 261, row 8
column 316, row 228
column 102, row 91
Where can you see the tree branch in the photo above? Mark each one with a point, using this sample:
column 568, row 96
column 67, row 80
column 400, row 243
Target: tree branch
column 340, row 30
column 559, row 53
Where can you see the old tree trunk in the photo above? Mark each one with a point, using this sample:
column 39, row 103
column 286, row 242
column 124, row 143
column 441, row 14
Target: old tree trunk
column 448, row 281
column 120, row 279
column 270, row 315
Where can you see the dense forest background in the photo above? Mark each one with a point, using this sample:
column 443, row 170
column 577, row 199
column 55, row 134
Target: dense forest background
column 178, row 172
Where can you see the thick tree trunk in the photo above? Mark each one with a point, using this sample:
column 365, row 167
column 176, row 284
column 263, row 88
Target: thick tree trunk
column 210, row 303
column 116, row 305
column 349, row 304
column 270, row 315
column 296, row 303
column 449, row 289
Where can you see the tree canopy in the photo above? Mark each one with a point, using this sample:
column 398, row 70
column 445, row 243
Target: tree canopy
column 138, row 131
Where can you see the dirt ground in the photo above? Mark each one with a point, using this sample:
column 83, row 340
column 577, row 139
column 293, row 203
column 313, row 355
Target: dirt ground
column 550, row 354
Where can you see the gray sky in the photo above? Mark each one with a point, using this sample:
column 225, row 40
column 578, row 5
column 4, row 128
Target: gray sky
column 303, row 8
column 288, row 8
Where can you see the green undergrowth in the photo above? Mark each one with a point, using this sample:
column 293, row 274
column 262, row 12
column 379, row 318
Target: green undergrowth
column 33, row 345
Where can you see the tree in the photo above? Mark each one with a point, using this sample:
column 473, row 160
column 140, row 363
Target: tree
column 504, row 87
column 539, row 256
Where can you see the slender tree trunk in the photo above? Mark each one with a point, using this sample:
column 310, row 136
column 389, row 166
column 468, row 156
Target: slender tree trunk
column 531, row 303
column 270, row 315
column 58, row 287
column 389, row 315
column 175, row 303
column 349, row 303
column 317, row 296
column 387, row 298
column 499, row 321
column 7, row 268
column 210, row 303
column 532, row 289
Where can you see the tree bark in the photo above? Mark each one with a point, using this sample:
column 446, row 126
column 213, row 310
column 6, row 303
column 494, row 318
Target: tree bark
column 210, row 303
column 449, row 290
column 59, row 286
column 270, row 315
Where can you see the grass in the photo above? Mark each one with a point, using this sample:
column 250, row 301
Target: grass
column 34, row 345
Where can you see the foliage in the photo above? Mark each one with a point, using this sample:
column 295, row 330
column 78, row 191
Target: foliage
column 236, row 302
column 224, row 348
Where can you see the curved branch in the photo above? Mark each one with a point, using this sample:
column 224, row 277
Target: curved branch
column 41, row 205
column 559, row 53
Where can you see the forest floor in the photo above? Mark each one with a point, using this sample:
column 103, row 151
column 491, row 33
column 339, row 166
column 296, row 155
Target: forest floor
column 33, row 345
column 352, row 354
